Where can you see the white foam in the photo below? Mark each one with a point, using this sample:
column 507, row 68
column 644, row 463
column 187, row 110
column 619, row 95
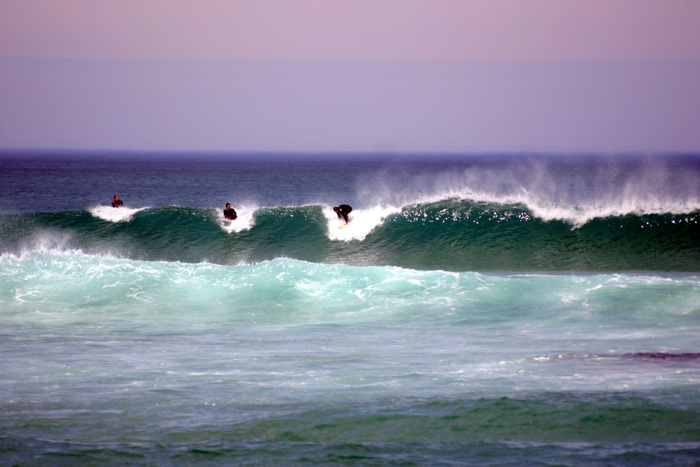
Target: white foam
column 362, row 222
column 111, row 214
column 244, row 221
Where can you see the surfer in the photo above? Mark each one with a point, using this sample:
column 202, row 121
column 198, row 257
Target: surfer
column 343, row 210
column 117, row 203
column 229, row 212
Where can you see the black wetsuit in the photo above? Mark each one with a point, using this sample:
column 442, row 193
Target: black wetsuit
column 343, row 210
column 117, row 204
column 230, row 214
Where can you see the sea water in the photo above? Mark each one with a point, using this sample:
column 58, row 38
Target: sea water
column 488, row 309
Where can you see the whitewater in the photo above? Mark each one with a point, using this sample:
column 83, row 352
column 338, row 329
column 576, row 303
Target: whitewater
column 490, row 309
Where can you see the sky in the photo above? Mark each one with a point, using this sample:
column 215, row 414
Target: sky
column 351, row 75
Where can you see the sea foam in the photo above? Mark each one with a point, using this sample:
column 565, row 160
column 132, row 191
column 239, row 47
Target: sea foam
column 244, row 221
column 108, row 213
column 362, row 222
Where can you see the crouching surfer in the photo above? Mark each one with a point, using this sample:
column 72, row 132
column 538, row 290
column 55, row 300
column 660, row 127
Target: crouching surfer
column 342, row 211
column 229, row 212
column 117, row 203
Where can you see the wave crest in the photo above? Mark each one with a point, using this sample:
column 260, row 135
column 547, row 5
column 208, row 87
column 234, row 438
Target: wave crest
column 449, row 234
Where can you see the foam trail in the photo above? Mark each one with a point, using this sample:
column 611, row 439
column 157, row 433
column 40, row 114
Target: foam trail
column 111, row 214
column 244, row 221
column 362, row 222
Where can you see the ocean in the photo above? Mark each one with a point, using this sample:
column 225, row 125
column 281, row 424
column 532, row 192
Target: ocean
column 478, row 309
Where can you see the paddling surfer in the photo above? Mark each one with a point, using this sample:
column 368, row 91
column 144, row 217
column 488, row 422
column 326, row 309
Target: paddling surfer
column 229, row 212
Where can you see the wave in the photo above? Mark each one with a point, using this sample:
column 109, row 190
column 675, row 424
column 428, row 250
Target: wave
column 450, row 234
column 572, row 189
column 72, row 287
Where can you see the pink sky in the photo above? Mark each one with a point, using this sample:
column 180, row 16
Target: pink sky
column 352, row 29
column 351, row 74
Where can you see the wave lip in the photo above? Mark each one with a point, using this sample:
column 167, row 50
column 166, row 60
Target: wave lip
column 576, row 212
column 572, row 189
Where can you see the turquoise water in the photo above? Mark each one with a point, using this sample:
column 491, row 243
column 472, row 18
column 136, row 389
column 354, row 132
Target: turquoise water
column 436, row 332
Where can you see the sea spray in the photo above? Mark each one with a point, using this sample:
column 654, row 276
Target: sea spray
column 573, row 189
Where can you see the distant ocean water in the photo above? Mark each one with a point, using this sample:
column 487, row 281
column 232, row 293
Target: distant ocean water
column 490, row 309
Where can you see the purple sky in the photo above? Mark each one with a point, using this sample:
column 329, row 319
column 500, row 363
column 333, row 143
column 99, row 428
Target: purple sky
column 351, row 75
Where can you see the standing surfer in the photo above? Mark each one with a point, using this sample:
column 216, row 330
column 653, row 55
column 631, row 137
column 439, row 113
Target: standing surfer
column 343, row 210
column 117, row 203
